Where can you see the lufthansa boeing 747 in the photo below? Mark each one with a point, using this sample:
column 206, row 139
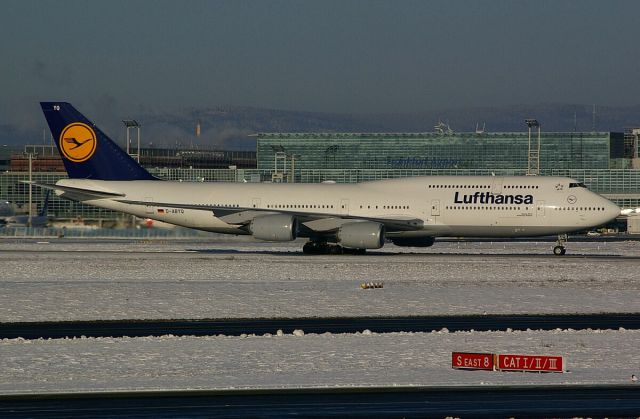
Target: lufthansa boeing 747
column 334, row 217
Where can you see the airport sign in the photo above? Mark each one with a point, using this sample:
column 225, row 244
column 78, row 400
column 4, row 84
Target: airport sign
column 472, row 361
column 507, row 362
column 536, row 363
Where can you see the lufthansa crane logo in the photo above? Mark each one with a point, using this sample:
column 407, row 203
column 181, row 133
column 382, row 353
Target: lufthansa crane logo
column 78, row 142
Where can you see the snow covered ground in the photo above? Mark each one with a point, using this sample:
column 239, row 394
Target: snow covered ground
column 344, row 360
column 175, row 279
column 82, row 280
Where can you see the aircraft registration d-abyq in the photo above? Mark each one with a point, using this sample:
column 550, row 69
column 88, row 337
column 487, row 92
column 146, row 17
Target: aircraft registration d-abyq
column 336, row 218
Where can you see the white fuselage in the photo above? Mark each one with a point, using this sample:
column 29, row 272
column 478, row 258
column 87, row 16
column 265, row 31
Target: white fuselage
column 472, row 206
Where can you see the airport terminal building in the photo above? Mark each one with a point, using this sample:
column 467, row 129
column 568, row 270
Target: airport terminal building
column 606, row 162
column 494, row 151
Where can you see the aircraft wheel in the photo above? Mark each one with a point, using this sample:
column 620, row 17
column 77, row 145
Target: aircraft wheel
column 355, row 251
column 306, row 249
column 335, row 250
column 559, row 250
column 312, row 248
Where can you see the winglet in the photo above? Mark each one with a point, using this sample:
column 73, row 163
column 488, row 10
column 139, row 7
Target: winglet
column 87, row 153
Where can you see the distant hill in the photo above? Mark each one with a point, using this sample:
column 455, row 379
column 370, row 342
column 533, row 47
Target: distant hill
column 231, row 127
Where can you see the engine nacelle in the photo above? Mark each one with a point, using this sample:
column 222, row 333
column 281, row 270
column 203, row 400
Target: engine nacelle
column 364, row 235
column 414, row 241
column 277, row 227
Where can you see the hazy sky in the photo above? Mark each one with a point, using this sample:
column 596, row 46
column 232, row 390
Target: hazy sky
column 126, row 57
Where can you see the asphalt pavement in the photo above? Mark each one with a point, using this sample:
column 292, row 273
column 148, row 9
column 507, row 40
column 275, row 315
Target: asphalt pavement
column 236, row 327
column 408, row 402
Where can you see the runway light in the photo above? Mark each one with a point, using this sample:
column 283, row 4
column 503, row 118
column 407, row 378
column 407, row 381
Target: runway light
column 371, row 285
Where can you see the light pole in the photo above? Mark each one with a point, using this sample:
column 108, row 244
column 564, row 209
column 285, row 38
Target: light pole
column 277, row 176
column 132, row 124
column 30, row 155
column 533, row 160
column 293, row 168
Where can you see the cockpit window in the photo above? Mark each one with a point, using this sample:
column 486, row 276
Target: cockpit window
column 577, row 185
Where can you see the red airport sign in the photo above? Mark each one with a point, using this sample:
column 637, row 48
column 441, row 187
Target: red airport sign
column 538, row 363
column 471, row 361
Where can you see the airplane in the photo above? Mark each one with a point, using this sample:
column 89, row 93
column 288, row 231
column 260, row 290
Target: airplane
column 37, row 221
column 335, row 218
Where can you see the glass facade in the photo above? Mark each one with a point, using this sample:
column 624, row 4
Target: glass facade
column 5, row 156
column 14, row 190
column 559, row 150
column 47, row 159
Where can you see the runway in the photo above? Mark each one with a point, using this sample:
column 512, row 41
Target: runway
column 586, row 247
column 238, row 327
column 91, row 280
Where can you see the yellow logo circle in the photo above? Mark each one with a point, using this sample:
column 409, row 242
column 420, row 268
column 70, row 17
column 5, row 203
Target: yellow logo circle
column 78, row 142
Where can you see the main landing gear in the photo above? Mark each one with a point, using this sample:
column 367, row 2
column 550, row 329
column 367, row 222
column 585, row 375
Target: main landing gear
column 324, row 248
column 559, row 249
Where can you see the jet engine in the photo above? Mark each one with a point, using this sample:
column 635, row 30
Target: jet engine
column 364, row 235
column 414, row 241
column 277, row 227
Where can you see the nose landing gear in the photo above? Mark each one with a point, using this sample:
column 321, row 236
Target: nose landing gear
column 559, row 249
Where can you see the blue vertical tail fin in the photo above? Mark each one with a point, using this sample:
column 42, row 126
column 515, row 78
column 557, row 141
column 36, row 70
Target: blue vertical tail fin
column 87, row 153
column 45, row 205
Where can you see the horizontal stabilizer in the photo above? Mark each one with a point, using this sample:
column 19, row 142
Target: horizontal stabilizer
column 79, row 194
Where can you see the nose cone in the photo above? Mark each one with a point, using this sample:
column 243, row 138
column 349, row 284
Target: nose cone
column 611, row 211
